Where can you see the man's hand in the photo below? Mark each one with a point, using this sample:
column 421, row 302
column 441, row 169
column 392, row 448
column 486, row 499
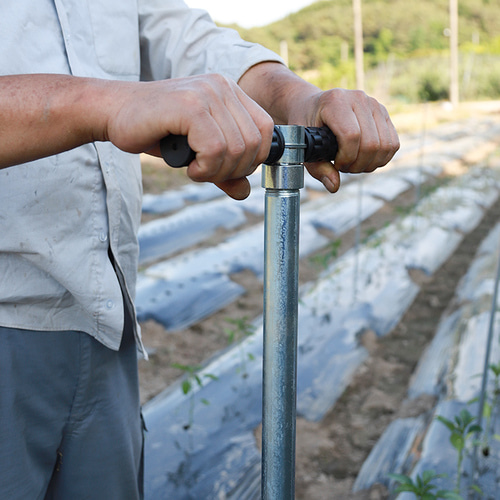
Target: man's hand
column 366, row 136
column 229, row 132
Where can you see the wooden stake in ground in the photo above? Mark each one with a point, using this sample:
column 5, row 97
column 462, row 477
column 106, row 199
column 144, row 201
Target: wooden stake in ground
column 454, row 94
column 358, row 44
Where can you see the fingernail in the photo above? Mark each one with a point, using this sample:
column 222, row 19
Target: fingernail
column 327, row 182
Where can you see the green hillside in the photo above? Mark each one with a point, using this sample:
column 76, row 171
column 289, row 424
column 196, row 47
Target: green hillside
column 406, row 35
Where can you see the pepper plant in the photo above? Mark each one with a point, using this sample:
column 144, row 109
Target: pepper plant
column 241, row 329
column 461, row 428
column 423, row 486
column 490, row 408
column 192, row 378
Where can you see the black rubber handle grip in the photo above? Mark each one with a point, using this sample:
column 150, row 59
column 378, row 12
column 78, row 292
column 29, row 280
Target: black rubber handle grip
column 321, row 144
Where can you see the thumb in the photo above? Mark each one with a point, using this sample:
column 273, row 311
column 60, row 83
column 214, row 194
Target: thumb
column 326, row 173
column 239, row 189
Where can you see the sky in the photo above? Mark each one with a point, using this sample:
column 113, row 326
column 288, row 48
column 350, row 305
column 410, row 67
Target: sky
column 249, row 13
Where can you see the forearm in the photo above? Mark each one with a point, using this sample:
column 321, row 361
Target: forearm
column 282, row 93
column 42, row 115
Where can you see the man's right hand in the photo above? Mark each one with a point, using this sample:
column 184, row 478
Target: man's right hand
column 229, row 132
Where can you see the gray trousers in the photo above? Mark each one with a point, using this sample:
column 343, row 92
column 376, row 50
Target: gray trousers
column 70, row 421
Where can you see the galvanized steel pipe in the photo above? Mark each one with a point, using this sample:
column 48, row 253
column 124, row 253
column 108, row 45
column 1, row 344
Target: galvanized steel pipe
column 282, row 177
column 282, row 182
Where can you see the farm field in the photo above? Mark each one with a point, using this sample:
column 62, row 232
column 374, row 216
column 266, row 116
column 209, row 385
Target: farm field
column 382, row 266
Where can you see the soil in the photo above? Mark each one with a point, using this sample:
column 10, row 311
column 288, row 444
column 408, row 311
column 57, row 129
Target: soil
column 377, row 394
column 330, row 453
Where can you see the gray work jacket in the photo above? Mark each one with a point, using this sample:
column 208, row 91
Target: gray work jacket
column 60, row 215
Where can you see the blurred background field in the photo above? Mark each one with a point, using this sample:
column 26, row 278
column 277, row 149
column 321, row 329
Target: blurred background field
column 439, row 198
column 406, row 47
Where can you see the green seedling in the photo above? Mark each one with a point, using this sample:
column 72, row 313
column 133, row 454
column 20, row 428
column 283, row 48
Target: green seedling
column 324, row 259
column 462, row 427
column 489, row 409
column 369, row 234
column 242, row 328
column 403, row 210
column 423, row 486
column 375, row 239
column 192, row 378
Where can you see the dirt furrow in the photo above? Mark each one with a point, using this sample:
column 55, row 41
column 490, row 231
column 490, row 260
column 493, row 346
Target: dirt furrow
column 333, row 450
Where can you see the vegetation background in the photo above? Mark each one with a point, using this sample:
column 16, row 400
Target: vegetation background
column 406, row 47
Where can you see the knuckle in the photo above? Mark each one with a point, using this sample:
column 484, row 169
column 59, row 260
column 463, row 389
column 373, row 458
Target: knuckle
column 206, row 86
column 383, row 110
column 352, row 136
column 372, row 146
column 264, row 121
column 268, row 127
column 361, row 95
column 373, row 103
column 191, row 99
column 236, row 150
column 219, row 83
column 390, row 147
column 218, row 148
column 254, row 139
column 218, row 78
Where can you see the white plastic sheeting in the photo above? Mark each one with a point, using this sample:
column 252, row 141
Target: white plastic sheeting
column 176, row 305
column 174, row 199
column 207, row 461
column 429, row 374
column 218, row 457
column 422, row 241
column 179, row 292
column 384, row 185
column 383, row 459
column 244, row 250
column 164, row 237
column 341, row 212
column 451, row 370
column 217, row 454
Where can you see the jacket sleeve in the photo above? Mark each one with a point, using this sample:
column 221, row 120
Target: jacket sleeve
column 177, row 41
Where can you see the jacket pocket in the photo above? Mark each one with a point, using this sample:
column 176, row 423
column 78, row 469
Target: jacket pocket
column 115, row 25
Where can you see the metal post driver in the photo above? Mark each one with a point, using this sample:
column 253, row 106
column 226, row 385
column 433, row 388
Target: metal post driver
column 282, row 178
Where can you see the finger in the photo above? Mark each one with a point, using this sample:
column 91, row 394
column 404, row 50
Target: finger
column 262, row 139
column 367, row 139
column 378, row 138
column 211, row 147
column 369, row 143
column 349, row 140
column 213, row 129
column 336, row 110
column 387, row 137
column 326, row 173
column 394, row 137
column 255, row 127
column 242, row 146
column 239, row 189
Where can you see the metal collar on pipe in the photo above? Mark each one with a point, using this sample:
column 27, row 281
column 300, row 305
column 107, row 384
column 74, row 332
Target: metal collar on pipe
column 288, row 172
